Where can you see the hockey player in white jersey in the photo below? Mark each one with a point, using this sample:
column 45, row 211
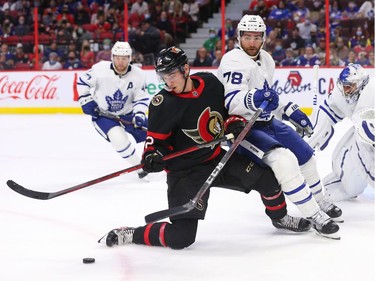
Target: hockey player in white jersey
column 246, row 72
column 118, row 88
column 353, row 156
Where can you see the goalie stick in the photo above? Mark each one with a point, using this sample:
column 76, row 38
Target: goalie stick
column 119, row 119
column 153, row 217
column 49, row 195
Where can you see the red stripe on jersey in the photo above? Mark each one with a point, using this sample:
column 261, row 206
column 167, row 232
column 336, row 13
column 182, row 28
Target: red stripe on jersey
column 162, row 234
column 195, row 93
column 215, row 154
column 278, row 207
column 146, row 234
column 159, row 136
column 272, row 197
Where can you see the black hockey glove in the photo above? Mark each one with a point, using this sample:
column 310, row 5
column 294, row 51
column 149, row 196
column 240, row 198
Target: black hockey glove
column 153, row 161
column 234, row 125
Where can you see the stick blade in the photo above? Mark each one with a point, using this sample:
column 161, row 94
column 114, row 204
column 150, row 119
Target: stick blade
column 167, row 213
column 27, row 192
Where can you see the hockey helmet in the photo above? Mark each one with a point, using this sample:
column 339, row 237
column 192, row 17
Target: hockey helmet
column 121, row 49
column 253, row 23
column 169, row 60
column 352, row 79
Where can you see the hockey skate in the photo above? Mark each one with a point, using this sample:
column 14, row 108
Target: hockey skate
column 119, row 236
column 295, row 224
column 324, row 225
column 331, row 210
column 142, row 175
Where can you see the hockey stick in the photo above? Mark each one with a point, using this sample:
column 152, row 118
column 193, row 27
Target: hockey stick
column 49, row 195
column 119, row 119
column 153, row 217
column 315, row 84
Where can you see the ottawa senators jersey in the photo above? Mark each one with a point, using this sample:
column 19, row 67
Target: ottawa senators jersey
column 179, row 121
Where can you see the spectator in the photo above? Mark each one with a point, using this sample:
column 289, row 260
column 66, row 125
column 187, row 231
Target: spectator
column 6, row 57
column 362, row 59
column 146, row 39
column 21, row 29
column 165, row 24
column 289, row 59
column 309, row 58
column 342, row 50
column 320, row 50
column 20, row 55
column 261, row 9
column 351, row 58
column 217, row 59
column 333, row 56
column 6, row 28
column 358, row 36
column 209, row 44
column 105, row 54
column 306, row 28
column 295, row 41
column 52, row 63
column 87, row 56
column 53, row 48
column 270, row 42
column 191, row 8
column 65, row 15
column 280, row 13
column 231, row 44
column 72, row 47
column 366, row 10
column 278, row 53
column 335, row 10
column 351, row 10
column 72, row 62
column 48, row 17
column 139, row 7
column 230, row 31
column 202, row 58
column 300, row 11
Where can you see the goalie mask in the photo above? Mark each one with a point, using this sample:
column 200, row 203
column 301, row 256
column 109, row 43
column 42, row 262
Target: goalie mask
column 351, row 82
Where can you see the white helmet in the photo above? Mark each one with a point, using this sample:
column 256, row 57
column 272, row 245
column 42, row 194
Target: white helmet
column 351, row 81
column 253, row 23
column 121, row 49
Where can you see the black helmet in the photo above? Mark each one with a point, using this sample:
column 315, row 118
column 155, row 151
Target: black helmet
column 170, row 59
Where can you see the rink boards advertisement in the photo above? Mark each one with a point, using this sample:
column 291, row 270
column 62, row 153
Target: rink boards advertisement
column 26, row 92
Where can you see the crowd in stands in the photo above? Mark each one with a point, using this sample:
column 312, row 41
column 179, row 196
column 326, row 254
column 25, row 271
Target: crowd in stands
column 296, row 33
column 75, row 34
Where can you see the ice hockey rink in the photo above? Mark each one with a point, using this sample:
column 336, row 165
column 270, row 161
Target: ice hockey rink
column 46, row 240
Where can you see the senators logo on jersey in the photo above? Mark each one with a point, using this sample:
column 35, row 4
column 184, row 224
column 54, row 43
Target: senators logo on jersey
column 210, row 126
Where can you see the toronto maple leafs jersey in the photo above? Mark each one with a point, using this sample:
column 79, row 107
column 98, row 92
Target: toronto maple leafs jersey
column 334, row 109
column 180, row 121
column 114, row 93
column 239, row 73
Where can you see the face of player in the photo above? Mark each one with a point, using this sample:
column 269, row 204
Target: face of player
column 175, row 81
column 251, row 42
column 348, row 89
column 121, row 63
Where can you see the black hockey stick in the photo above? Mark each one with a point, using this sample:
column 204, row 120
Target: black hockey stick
column 153, row 217
column 49, row 195
column 119, row 119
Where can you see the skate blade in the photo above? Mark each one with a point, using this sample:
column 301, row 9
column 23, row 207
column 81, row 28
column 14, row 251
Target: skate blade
column 333, row 236
column 338, row 219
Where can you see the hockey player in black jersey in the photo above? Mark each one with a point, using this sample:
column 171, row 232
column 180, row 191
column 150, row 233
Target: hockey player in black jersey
column 190, row 110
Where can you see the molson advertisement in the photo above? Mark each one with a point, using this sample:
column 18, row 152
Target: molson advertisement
column 54, row 91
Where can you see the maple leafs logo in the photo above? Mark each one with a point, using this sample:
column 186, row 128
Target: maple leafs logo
column 117, row 102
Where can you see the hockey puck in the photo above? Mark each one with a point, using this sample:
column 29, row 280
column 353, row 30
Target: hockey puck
column 88, row 260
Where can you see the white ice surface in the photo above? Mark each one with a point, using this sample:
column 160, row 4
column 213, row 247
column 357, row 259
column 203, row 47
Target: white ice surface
column 47, row 240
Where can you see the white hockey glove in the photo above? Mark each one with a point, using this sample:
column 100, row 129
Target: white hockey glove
column 294, row 115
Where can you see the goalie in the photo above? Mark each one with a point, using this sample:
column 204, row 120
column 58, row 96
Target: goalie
column 353, row 156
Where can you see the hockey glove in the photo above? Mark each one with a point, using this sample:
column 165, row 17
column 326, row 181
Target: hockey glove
column 89, row 106
column 294, row 115
column 139, row 120
column 234, row 125
column 153, row 161
column 266, row 94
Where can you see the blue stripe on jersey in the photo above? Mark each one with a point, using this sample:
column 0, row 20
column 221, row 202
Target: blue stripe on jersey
column 230, row 96
column 294, row 191
column 82, row 83
column 308, row 198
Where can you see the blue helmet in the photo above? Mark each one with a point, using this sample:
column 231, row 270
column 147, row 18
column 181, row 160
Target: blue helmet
column 351, row 81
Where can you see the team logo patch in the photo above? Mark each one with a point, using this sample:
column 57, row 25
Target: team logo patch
column 116, row 102
column 210, row 126
column 157, row 100
column 200, row 205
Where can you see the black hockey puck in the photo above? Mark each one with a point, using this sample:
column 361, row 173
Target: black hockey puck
column 88, row 260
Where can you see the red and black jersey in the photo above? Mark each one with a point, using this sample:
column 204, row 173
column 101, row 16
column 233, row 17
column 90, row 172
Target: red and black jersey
column 179, row 121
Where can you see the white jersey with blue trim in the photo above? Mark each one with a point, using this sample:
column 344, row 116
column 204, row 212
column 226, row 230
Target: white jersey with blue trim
column 239, row 73
column 114, row 93
column 334, row 109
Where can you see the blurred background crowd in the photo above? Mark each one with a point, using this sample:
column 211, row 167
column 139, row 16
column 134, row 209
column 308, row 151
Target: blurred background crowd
column 76, row 34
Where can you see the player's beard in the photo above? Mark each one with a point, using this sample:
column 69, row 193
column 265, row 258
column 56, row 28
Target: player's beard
column 252, row 51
